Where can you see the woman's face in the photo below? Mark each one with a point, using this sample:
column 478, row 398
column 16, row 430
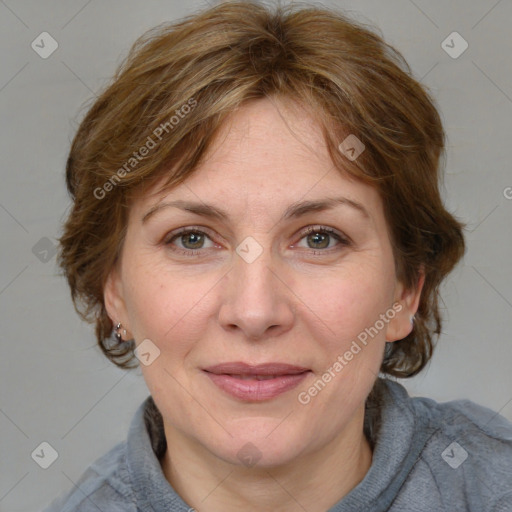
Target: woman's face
column 262, row 290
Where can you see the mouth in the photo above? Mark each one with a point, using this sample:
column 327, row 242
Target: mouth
column 256, row 383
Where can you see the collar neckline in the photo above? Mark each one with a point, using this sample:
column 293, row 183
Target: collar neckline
column 397, row 436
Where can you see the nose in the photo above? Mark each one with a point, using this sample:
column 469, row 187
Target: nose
column 256, row 299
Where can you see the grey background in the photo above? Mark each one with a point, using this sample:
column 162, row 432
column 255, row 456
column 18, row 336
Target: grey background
column 55, row 384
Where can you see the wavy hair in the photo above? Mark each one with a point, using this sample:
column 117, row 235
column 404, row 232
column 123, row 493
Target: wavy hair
column 181, row 81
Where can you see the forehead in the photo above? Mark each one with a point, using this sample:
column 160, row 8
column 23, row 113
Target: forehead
column 268, row 154
column 270, row 130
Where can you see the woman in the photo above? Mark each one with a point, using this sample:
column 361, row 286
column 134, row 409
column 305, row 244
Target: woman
column 257, row 222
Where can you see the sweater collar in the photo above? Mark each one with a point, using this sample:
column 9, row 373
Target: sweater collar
column 396, row 434
column 399, row 436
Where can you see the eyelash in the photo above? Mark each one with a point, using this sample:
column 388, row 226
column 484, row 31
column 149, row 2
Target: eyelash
column 344, row 241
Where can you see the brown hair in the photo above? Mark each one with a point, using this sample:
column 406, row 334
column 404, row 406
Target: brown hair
column 181, row 81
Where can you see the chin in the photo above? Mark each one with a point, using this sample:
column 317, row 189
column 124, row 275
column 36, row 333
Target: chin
column 257, row 443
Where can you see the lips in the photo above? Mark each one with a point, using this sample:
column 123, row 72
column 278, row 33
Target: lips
column 256, row 382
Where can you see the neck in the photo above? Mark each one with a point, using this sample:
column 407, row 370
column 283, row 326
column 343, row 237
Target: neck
column 314, row 481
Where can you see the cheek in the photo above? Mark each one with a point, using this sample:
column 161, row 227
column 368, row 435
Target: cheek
column 172, row 311
column 166, row 307
column 349, row 338
column 345, row 304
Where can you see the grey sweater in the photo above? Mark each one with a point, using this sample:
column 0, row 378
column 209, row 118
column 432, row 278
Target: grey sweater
column 427, row 457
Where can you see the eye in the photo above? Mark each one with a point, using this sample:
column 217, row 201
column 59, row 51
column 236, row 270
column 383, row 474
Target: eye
column 321, row 238
column 189, row 241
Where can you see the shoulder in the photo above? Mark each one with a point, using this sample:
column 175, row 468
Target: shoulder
column 479, row 427
column 105, row 485
column 469, row 451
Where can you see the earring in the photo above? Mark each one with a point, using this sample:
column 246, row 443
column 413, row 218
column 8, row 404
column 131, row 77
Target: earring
column 119, row 338
column 413, row 317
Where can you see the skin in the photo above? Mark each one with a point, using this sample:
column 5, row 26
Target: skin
column 302, row 301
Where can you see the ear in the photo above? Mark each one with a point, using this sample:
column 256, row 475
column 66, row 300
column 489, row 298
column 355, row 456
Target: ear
column 114, row 301
column 407, row 301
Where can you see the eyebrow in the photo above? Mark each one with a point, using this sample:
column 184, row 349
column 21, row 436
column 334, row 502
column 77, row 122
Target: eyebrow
column 295, row 210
